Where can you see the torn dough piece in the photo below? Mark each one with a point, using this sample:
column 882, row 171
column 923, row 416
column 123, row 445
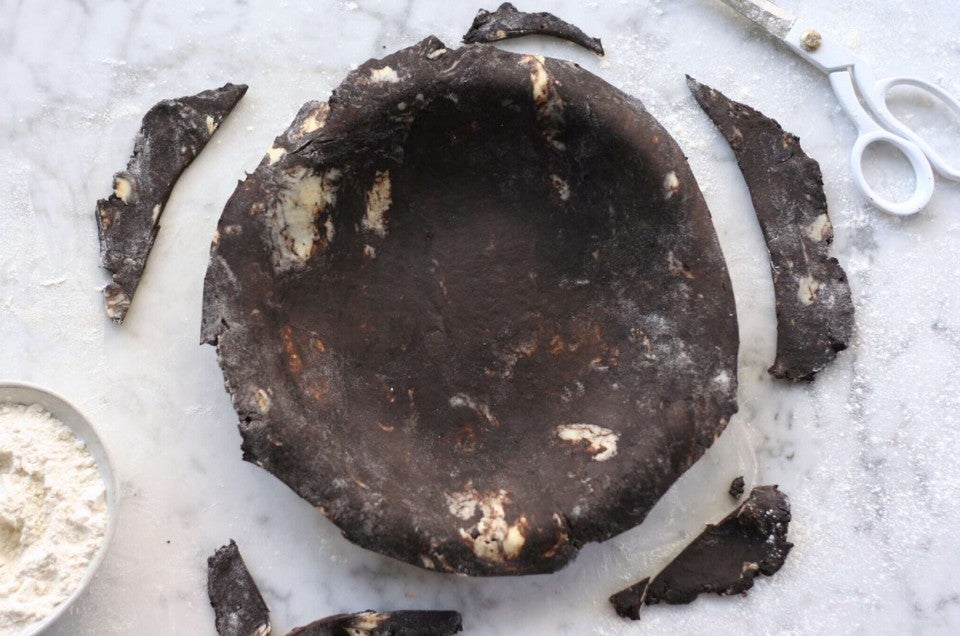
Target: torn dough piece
column 239, row 608
column 507, row 22
column 814, row 307
column 736, row 487
column 171, row 135
column 723, row 560
column 370, row 623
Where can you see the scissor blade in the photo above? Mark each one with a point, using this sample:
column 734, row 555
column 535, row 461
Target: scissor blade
column 768, row 15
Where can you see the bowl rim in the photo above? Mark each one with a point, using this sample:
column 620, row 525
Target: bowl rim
column 79, row 424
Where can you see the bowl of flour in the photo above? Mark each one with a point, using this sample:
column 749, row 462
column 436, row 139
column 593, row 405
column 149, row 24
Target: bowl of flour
column 58, row 501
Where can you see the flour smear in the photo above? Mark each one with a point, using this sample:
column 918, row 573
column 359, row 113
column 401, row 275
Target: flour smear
column 53, row 514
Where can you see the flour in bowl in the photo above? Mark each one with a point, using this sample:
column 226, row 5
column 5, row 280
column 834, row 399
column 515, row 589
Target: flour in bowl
column 53, row 514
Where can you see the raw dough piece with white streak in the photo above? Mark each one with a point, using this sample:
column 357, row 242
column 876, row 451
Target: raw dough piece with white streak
column 237, row 603
column 814, row 307
column 172, row 134
column 370, row 623
column 507, row 22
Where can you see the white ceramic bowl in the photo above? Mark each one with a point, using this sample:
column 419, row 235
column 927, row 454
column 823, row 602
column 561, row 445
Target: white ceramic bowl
column 60, row 408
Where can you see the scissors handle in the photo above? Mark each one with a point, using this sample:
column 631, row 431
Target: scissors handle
column 918, row 161
column 870, row 133
column 875, row 95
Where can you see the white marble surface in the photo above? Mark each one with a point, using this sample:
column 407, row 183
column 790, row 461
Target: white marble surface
column 869, row 453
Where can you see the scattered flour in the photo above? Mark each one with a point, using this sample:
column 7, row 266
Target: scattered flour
column 53, row 514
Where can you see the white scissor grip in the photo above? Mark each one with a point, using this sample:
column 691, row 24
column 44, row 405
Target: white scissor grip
column 878, row 102
column 923, row 174
column 870, row 132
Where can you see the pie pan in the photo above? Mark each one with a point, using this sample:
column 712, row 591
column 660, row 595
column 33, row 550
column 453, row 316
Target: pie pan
column 474, row 309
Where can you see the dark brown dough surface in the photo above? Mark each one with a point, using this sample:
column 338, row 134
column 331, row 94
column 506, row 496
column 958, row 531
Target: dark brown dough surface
column 370, row 623
column 172, row 134
column 814, row 307
column 736, row 487
column 724, row 559
column 474, row 309
column 507, row 22
column 239, row 608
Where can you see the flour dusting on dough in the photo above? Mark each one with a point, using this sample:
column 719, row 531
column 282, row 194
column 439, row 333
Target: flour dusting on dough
column 560, row 186
column 294, row 227
column 809, row 287
column 378, row 203
column 316, row 120
column 385, row 74
column 366, row 621
column 274, row 154
column 122, row 189
column 820, row 229
column 491, row 538
column 670, row 185
column 601, row 442
column 480, row 408
column 546, row 99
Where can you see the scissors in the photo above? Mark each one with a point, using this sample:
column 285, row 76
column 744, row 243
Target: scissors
column 864, row 99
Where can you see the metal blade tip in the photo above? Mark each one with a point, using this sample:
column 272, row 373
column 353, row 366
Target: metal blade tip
column 772, row 18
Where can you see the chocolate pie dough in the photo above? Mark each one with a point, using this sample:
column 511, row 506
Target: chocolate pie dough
column 473, row 308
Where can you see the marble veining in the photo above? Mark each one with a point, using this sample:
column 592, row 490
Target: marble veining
column 868, row 453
